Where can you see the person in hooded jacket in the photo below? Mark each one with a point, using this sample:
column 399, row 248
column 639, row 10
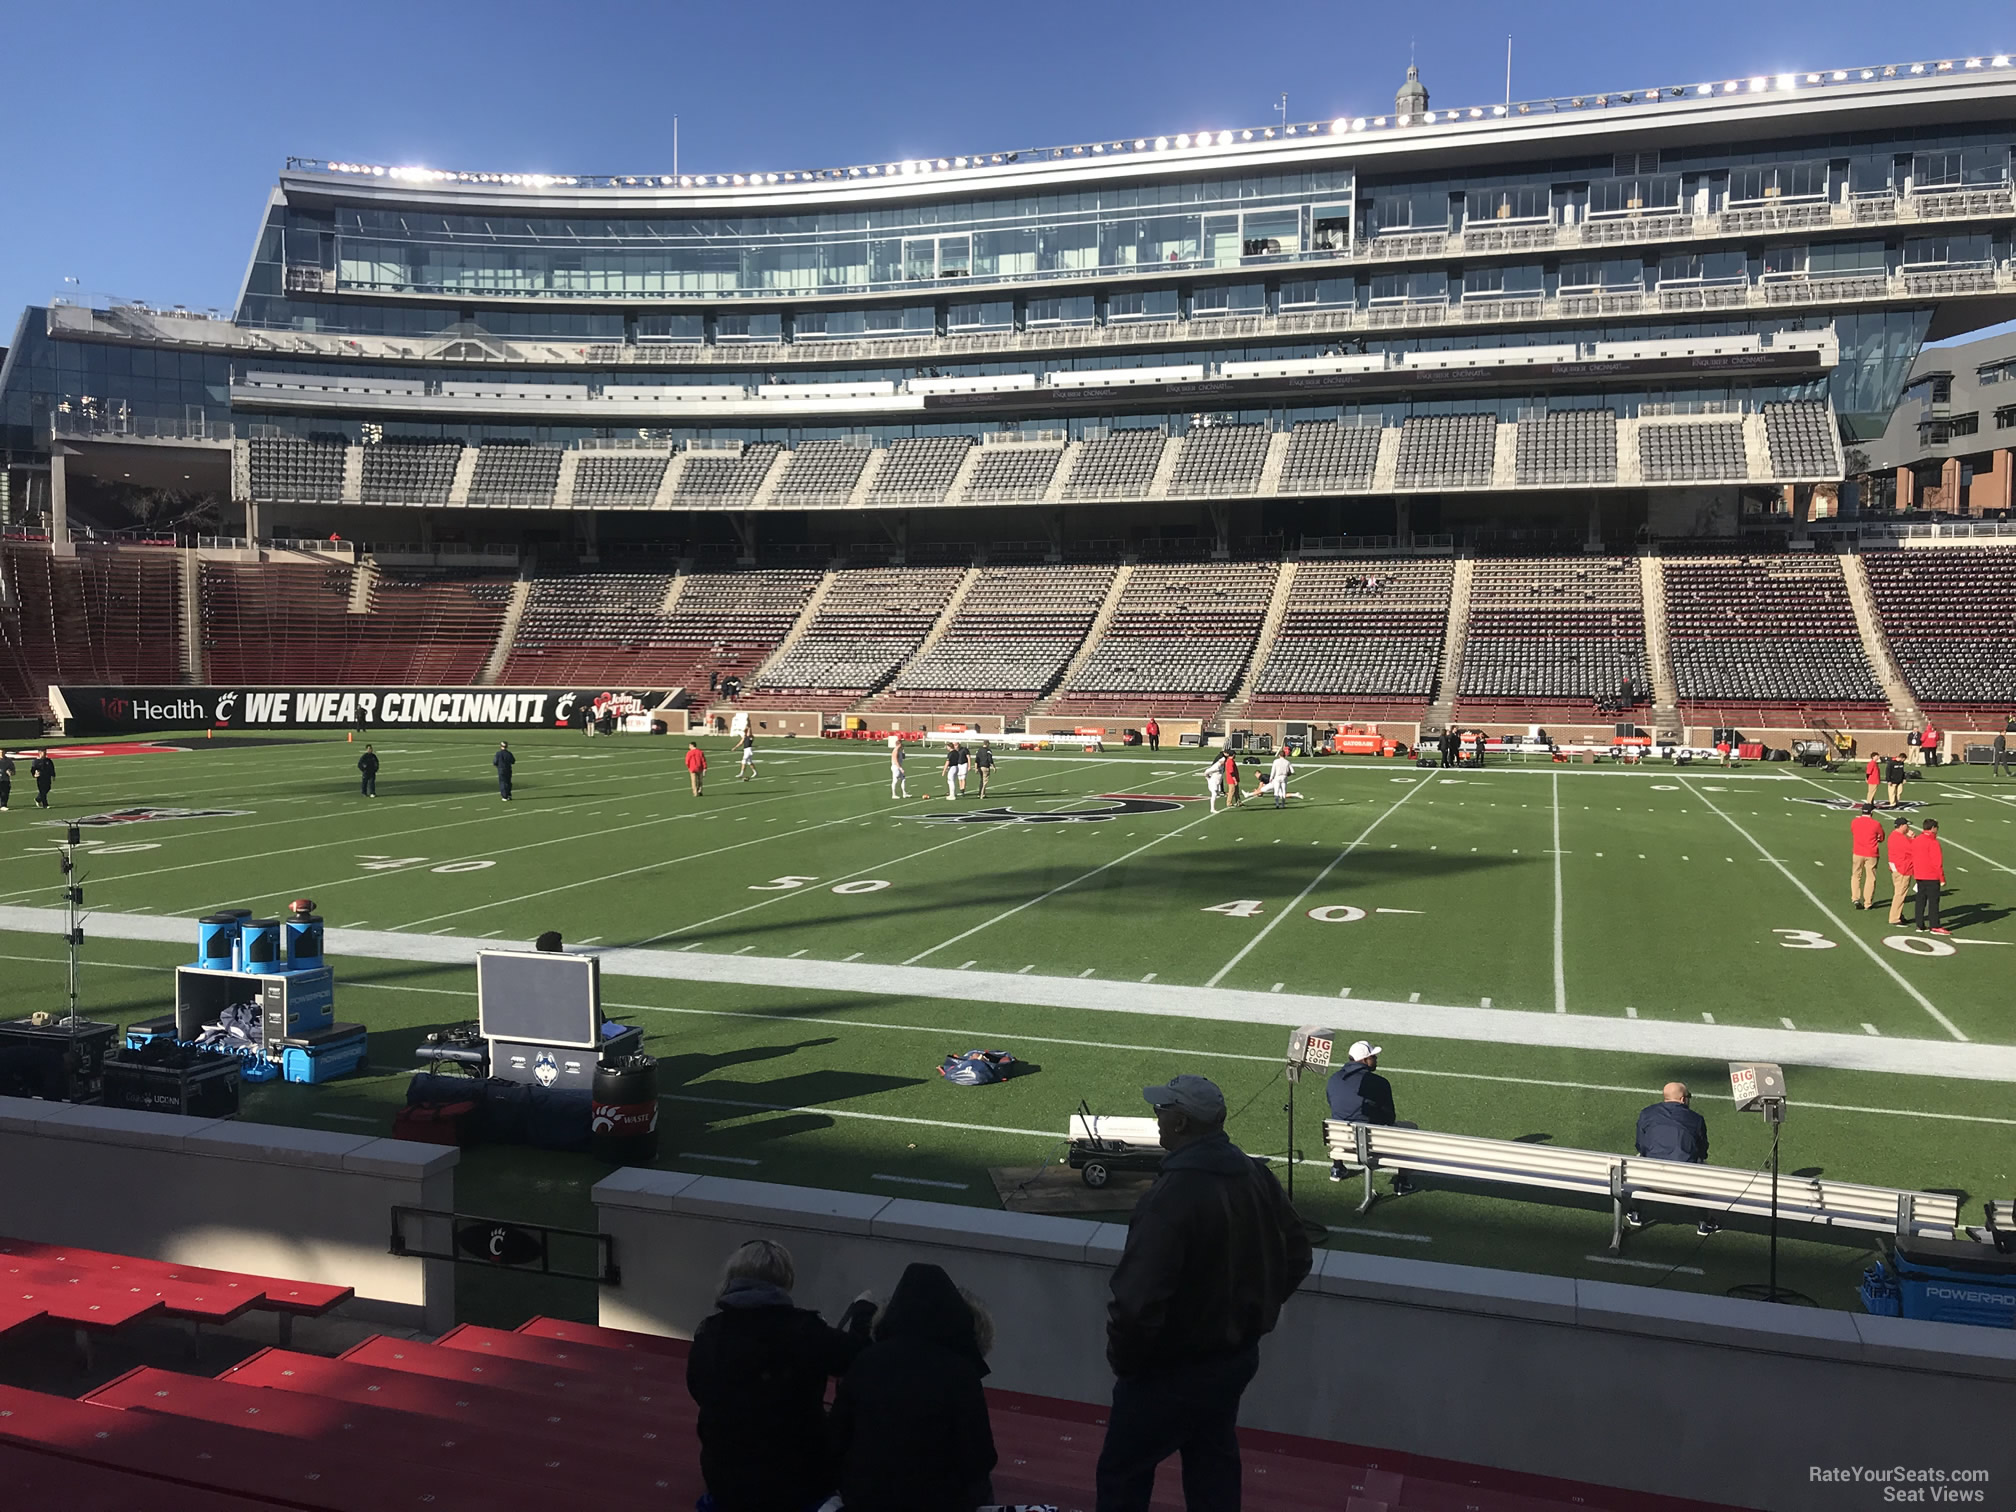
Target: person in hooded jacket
column 758, row 1371
column 910, row 1425
column 1359, row 1094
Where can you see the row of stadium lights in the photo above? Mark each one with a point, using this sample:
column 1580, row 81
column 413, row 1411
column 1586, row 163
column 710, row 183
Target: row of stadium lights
column 1782, row 83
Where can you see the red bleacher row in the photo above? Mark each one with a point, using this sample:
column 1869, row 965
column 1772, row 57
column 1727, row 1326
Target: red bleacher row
column 1753, row 641
column 554, row 1413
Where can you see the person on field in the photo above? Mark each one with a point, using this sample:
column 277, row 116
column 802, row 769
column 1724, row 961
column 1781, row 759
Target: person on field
column 1928, row 744
column 2000, row 746
column 1231, row 780
column 1277, row 779
column 910, row 1421
column 1894, row 775
column 757, row 1371
column 1213, row 1252
column 6, row 780
column 696, row 765
column 1357, row 1093
column 1865, row 835
column 367, row 764
column 1928, row 870
column 43, row 770
column 899, row 781
column 1898, row 849
column 1154, row 734
column 1670, row 1129
column 952, row 770
column 748, row 768
column 504, row 761
column 1873, row 775
column 1214, row 784
column 983, row 763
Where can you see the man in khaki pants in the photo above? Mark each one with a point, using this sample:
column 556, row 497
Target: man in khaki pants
column 1866, row 831
column 1899, row 847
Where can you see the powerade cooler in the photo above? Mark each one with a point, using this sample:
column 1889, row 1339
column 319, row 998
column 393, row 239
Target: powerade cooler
column 1970, row 1280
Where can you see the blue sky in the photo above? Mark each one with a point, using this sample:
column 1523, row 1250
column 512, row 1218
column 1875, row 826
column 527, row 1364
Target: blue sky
column 144, row 137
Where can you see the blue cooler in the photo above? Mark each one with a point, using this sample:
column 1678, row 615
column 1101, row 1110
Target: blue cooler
column 304, row 942
column 216, row 935
column 324, row 1054
column 144, row 1032
column 260, row 946
column 1944, row 1281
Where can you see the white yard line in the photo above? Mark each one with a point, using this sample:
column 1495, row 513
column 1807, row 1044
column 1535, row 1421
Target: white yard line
column 1833, row 918
column 1317, row 881
column 1971, row 1061
column 1560, row 958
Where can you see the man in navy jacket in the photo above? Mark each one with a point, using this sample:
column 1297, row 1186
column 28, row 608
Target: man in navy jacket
column 1359, row 1094
column 1670, row 1129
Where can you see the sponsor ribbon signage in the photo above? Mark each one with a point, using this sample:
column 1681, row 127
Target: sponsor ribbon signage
column 128, row 710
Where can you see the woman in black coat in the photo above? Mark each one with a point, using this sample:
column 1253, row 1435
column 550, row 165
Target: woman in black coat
column 910, row 1419
column 758, row 1370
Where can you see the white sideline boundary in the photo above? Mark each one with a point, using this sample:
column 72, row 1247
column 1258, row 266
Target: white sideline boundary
column 1970, row 1061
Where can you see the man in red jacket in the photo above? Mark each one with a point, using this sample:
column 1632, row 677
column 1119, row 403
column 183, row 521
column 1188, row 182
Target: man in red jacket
column 1928, row 866
column 696, row 763
column 1873, row 775
column 1899, row 849
column 1865, row 830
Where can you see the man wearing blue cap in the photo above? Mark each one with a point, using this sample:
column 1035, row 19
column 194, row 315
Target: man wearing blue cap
column 1213, row 1250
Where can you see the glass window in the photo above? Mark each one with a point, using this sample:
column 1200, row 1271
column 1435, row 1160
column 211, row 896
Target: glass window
column 741, row 327
column 671, row 328
column 1074, row 311
column 1429, row 286
column 1516, row 281
column 1842, row 259
column 1960, row 168
column 955, row 256
column 1269, row 233
column 1230, row 299
column 1519, row 203
column 1330, row 228
column 1142, row 304
column 1785, row 262
column 1629, row 196
column 1319, row 294
column 1964, row 249
column 1610, row 273
column 1763, row 182
column 996, row 315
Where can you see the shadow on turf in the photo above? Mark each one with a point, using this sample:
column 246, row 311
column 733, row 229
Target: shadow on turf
column 1258, row 871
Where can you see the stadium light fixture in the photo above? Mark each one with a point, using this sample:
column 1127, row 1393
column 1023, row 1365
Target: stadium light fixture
column 1182, row 140
column 2001, row 60
column 1788, row 82
column 1161, row 144
column 1498, row 110
column 1758, row 86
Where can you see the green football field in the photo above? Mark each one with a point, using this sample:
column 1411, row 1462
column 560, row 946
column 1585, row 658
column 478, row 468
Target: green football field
column 1538, row 948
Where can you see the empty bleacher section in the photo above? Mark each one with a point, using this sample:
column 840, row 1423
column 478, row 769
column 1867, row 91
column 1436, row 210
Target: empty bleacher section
column 618, row 480
column 410, row 472
column 919, row 469
column 1219, row 460
column 1178, row 643
column 1705, row 451
column 724, row 478
column 1567, row 446
column 611, row 628
column 107, row 615
column 1118, row 465
column 1011, row 639
column 1329, row 456
column 1950, row 619
column 1801, row 439
column 296, row 469
column 1550, row 636
column 288, row 623
column 821, row 472
column 1446, row 451
column 1007, row 474
column 1357, row 640
column 871, row 620
column 516, row 477
column 1768, row 639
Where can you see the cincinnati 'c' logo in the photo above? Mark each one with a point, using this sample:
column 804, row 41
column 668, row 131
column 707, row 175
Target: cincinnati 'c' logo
column 1121, row 808
column 564, row 710
column 224, row 708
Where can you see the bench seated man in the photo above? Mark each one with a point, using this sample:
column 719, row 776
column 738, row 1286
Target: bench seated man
column 1359, row 1094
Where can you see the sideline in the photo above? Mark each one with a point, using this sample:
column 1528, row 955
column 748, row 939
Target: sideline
column 1969, row 1061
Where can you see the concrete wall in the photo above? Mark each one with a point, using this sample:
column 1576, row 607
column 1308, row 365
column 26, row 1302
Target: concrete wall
column 292, row 1203
column 1627, row 1386
column 765, row 721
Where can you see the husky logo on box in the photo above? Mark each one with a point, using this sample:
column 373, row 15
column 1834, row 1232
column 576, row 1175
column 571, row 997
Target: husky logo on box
column 144, row 815
column 546, row 1068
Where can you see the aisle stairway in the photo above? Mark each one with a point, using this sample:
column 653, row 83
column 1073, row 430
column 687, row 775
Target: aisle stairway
column 1443, row 709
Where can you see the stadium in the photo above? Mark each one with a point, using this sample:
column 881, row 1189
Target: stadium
column 1503, row 483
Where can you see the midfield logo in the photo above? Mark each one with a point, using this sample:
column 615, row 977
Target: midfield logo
column 1118, row 808
column 144, row 816
column 1854, row 805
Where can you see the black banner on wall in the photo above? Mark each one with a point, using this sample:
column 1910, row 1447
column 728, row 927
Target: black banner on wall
column 131, row 710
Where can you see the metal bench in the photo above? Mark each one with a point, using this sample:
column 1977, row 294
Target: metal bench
column 1629, row 1181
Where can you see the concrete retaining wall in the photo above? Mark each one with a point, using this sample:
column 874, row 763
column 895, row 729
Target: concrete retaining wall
column 275, row 1201
column 1627, row 1386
